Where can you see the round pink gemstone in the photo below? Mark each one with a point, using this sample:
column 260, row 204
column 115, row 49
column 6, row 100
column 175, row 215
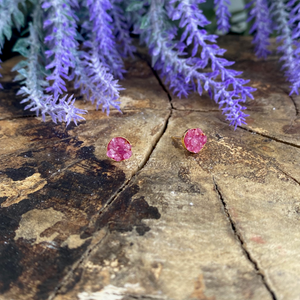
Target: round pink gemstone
column 194, row 140
column 119, row 149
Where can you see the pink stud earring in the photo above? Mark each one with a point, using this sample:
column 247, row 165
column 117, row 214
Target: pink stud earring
column 194, row 140
column 119, row 149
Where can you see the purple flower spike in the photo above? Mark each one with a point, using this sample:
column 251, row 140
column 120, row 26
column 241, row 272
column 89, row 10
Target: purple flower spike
column 121, row 30
column 31, row 74
column 223, row 15
column 61, row 25
column 288, row 45
column 103, row 37
column 294, row 18
column 261, row 27
column 95, row 81
column 228, row 93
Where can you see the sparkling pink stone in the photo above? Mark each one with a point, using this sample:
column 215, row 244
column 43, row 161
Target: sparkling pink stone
column 119, row 149
column 194, row 140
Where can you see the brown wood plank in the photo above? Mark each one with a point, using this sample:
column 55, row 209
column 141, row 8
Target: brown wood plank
column 166, row 224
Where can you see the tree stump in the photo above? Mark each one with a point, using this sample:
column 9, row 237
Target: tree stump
column 166, row 224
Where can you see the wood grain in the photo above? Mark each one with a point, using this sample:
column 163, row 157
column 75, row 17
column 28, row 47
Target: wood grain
column 166, row 224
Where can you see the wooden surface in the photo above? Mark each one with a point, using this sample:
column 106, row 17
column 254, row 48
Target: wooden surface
column 166, row 224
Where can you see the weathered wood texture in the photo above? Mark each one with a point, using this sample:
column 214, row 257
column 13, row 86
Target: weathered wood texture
column 166, row 224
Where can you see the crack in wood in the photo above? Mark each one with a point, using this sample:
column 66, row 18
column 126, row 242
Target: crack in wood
column 17, row 117
column 144, row 162
column 292, row 99
column 269, row 137
column 67, row 277
column 198, row 110
column 279, row 141
column 289, row 176
column 158, row 79
column 239, row 238
column 144, row 297
column 295, row 104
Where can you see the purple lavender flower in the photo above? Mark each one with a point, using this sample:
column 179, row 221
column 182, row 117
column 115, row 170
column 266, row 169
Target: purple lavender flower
column 121, row 30
column 223, row 15
column 32, row 76
column 61, row 23
column 95, row 81
column 262, row 26
column 228, row 101
column 294, row 18
column 103, row 36
column 65, row 110
column 92, row 72
column 290, row 54
column 184, row 72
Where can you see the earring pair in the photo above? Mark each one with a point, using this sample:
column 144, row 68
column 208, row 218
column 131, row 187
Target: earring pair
column 193, row 140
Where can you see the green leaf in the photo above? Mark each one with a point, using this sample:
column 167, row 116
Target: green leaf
column 20, row 65
column 43, row 83
column 7, row 31
column 145, row 22
column 136, row 5
column 21, row 46
column 19, row 77
column 22, row 73
column 18, row 18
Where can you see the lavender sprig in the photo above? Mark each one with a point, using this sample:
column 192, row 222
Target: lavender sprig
column 290, row 55
column 166, row 57
column 104, row 38
column 294, row 18
column 31, row 75
column 121, row 30
column 228, row 100
column 223, row 15
column 95, row 81
column 61, row 23
column 261, row 27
